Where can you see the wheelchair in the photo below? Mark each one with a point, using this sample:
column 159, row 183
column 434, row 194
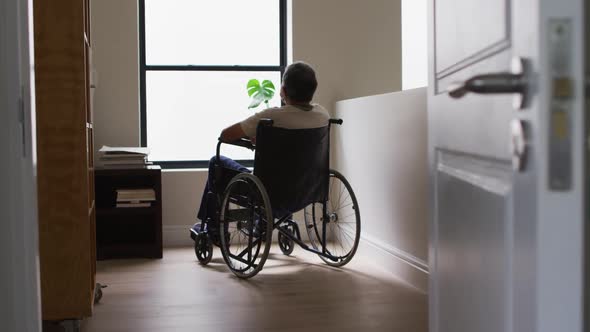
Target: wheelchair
column 291, row 173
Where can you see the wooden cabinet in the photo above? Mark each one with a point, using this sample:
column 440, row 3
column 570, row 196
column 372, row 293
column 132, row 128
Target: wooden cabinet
column 128, row 232
column 65, row 167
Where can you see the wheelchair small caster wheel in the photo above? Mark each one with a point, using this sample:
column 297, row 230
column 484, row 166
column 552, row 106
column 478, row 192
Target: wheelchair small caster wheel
column 286, row 244
column 203, row 249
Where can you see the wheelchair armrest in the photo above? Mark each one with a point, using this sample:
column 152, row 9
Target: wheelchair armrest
column 246, row 143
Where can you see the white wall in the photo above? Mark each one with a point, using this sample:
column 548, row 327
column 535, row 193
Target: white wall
column 354, row 45
column 181, row 196
column 20, row 308
column 382, row 151
column 115, row 44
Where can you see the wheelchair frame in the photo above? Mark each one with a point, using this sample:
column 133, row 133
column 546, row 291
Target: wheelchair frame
column 284, row 224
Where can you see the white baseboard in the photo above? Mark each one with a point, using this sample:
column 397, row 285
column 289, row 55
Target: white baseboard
column 407, row 267
column 176, row 236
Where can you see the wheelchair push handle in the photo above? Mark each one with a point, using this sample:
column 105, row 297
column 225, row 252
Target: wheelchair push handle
column 246, row 143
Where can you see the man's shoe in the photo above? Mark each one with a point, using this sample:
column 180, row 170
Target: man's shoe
column 260, row 228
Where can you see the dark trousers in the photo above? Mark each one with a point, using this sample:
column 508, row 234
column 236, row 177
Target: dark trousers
column 209, row 206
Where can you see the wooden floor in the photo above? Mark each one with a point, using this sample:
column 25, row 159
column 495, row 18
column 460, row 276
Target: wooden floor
column 296, row 293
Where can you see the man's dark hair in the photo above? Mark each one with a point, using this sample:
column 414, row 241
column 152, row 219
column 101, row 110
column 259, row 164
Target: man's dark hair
column 299, row 82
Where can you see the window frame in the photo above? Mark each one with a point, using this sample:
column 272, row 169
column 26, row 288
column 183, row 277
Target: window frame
column 144, row 68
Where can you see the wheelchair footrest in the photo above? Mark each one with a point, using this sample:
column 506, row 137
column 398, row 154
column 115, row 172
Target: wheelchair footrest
column 196, row 231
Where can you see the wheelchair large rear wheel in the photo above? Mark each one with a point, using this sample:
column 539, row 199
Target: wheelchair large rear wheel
column 337, row 233
column 246, row 225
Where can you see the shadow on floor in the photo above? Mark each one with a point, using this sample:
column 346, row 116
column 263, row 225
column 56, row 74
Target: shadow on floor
column 298, row 293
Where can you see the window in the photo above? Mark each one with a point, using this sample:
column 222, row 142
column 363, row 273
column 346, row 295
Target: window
column 196, row 57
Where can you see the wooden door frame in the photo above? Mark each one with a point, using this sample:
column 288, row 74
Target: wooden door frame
column 19, row 275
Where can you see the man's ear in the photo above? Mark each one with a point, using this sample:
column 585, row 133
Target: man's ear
column 283, row 94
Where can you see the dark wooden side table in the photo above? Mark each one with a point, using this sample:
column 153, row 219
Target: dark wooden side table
column 128, row 232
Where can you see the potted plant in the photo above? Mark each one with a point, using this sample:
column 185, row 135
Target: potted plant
column 260, row 92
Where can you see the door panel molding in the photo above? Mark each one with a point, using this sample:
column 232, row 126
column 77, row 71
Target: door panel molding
column 473, row 254
column 493, row 47
column 488, row 174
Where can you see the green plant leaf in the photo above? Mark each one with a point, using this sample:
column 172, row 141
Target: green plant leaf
column 260, row 92
column 267, row 85
column 253, row 86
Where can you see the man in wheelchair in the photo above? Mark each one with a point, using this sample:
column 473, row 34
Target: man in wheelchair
column 291, row 172
column 299, row 86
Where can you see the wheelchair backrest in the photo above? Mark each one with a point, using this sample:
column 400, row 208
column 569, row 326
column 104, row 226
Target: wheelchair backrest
column 293, row 165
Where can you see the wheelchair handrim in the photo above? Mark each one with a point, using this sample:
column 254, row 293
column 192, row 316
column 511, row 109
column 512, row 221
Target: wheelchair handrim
column 251, row 267
column 314, row 224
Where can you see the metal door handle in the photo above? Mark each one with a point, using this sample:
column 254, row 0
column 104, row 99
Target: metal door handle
column 488, row 84
column 514, row 82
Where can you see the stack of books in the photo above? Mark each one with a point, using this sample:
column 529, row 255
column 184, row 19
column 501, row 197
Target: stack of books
column 134, row 198
column 124, row 157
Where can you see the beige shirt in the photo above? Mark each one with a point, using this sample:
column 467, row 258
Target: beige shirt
column 289, row 117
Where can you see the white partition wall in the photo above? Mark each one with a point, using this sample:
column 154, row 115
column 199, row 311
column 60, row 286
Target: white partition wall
column 381, row 150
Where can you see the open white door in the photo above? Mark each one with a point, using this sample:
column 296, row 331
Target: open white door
column 19, row 272
column 507, row 160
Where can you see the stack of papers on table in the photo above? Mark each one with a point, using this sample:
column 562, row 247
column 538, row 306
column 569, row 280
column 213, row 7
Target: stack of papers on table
column 124, row 156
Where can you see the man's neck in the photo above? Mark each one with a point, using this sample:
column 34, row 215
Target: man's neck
column 302, row 106
column 294, row 103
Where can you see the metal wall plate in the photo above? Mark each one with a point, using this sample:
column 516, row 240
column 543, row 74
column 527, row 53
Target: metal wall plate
column 519, row 66
column 561, row 100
